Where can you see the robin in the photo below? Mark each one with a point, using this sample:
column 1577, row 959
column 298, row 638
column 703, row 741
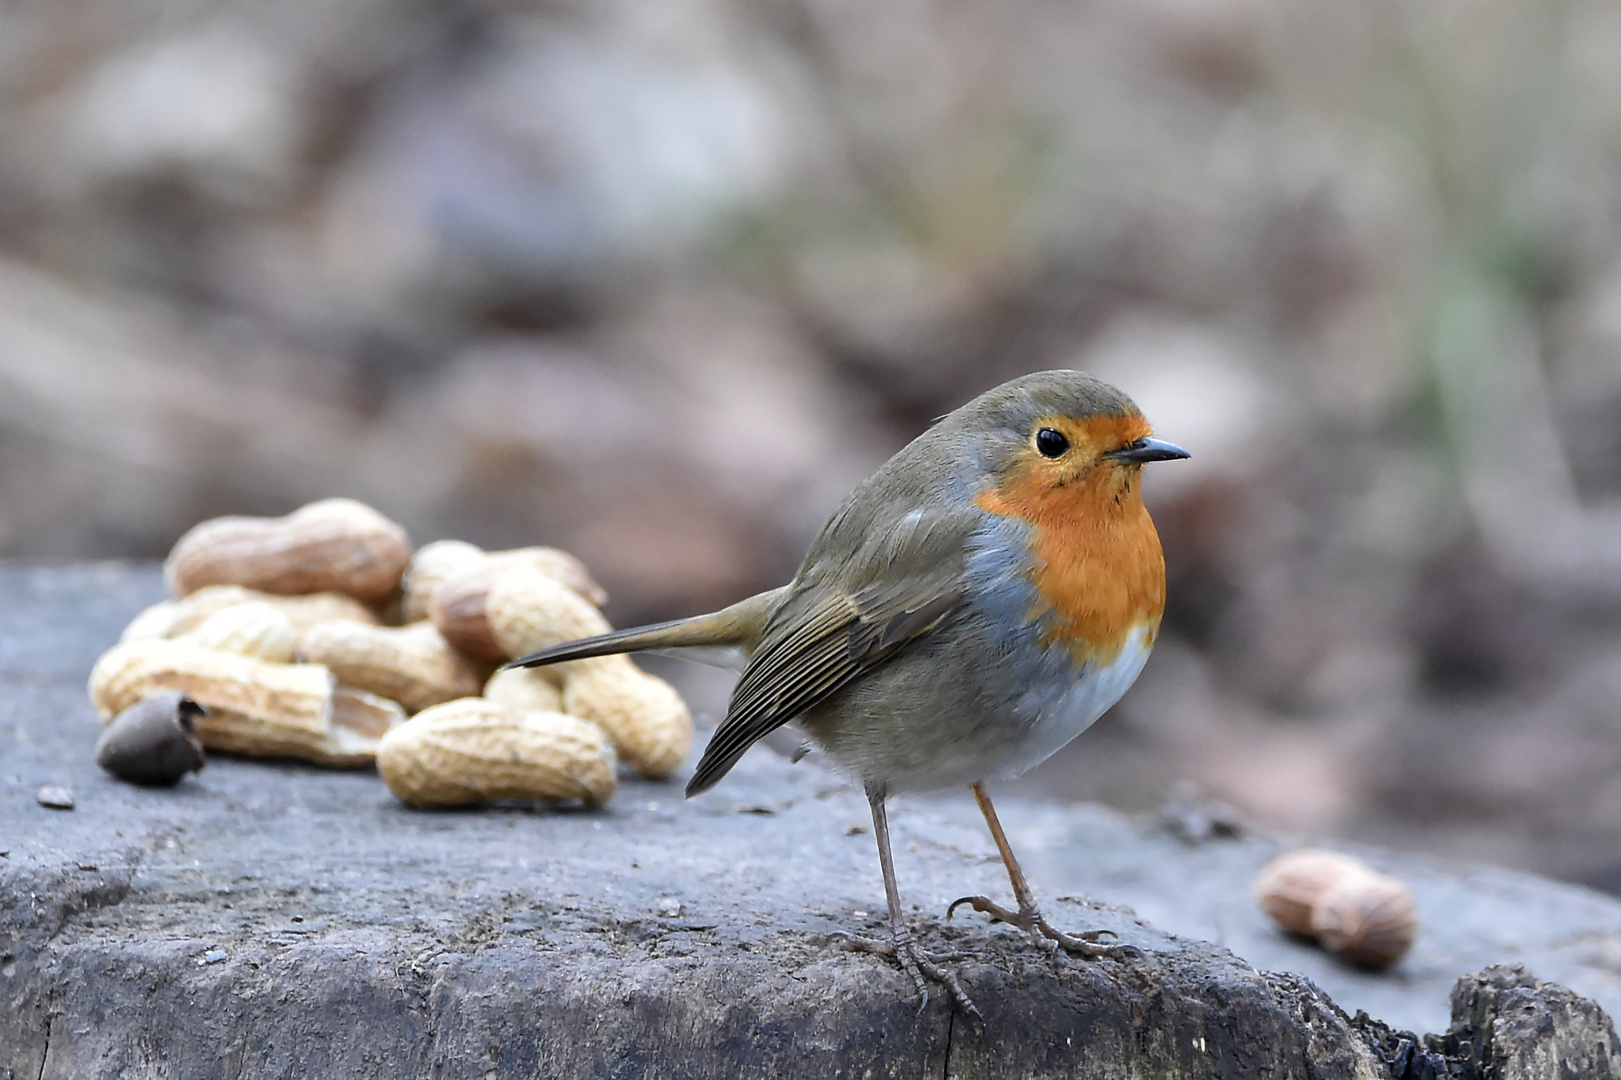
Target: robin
column 969, row 609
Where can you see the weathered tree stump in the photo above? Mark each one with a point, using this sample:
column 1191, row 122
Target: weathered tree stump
column 277, row 920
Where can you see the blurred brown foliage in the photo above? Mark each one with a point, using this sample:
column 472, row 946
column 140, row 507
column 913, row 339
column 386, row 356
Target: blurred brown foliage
column 658, row 282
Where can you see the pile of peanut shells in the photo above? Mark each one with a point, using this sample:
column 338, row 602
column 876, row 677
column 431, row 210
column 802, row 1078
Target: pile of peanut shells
column 321, row 635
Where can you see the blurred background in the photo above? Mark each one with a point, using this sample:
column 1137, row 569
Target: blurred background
column 659, row 280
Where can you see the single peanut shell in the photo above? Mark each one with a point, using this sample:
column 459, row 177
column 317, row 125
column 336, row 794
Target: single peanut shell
column 1290, row 885
column 471, row 751
column 649, row 724
column 334, row 544
column 254, row 707
column 252, row 628
column 525, row 689
column 132, row 670
column 529, row 610
column 337, row 747
column 431, row 566
column 412, row 665
column 1367, row 919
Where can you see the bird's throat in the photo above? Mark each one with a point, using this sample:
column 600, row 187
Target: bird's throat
column 1096, row 560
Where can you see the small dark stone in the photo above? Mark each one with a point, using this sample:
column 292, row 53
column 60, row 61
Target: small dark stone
column 54, row 797
column 153, row 742
column 1194, row 819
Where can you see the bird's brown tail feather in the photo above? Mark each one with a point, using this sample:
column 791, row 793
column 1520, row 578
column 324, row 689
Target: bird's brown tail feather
column 736, row 627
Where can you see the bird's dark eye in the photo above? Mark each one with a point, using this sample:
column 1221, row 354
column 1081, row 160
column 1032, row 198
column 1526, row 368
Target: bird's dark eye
column 1050, row 442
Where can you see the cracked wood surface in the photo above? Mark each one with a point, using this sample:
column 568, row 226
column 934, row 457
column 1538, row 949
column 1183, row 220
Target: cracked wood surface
column 272, row 920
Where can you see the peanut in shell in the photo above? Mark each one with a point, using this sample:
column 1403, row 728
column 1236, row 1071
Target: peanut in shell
column 430, row 567
column 470, row 751
column 650, row 725
column 332, row 545
column 528, row 610
column 460, row 604
column 1368, row 920
column 1289, row 886
column 252, row 628
column 647, row 720
column 1362, row 916
column 557, row 564
column 254, row 707
column 412, row 665
column 172, row 618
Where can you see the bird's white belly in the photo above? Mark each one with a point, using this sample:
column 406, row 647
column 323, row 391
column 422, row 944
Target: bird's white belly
column 923, row 728
column 1060, row 706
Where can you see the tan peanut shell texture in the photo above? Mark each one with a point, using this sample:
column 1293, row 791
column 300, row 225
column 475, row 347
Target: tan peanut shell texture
column 334, row 544
column 431, row 566
column 412, row 665
column 529, row 610
column 276, row 626
column 172, row 618
column 458, row 606
column 650, row 725
column 471, row 751
column 253, row 628
column 1365, row 917
column 254, row 707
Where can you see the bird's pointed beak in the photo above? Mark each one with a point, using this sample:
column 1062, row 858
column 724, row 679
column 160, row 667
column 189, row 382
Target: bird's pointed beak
column 1147, row 449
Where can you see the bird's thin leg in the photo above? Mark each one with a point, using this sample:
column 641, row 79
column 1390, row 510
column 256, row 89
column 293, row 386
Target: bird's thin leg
column 1028, row 917
column 916, row 963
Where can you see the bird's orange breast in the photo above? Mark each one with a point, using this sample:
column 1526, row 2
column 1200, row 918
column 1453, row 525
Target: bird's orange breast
column 1095, row 556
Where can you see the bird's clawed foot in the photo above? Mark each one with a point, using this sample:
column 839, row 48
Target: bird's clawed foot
column 915, row 963
column 1030, row 921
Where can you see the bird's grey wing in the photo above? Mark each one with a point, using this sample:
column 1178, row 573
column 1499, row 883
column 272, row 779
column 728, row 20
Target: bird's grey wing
column 831, row 631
